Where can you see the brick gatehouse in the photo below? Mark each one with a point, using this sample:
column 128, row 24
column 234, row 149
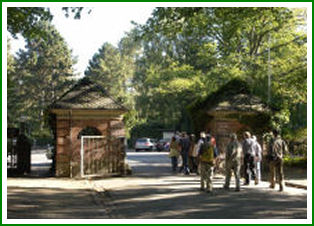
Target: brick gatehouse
column 86, row 109
column 231, row 109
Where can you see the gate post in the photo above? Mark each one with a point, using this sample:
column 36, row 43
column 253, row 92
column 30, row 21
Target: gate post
column 82, row 156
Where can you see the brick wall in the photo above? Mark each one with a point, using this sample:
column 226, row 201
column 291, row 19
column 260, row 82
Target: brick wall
column 222, row 128
column 69, row 146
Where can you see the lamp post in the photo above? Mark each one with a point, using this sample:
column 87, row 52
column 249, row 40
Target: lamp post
column 269, row 71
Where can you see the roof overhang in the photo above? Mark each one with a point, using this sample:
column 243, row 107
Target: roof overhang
column 223, row 113
column 88, row 114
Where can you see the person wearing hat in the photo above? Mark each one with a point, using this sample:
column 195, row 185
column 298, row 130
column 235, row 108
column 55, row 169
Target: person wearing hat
column 233, row 161
column 249, row 156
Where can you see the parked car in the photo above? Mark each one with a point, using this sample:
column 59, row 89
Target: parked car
column 163, row 145
column 144, row 144
column 49, row 153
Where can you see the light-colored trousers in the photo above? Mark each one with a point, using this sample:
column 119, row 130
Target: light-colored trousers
column 258, row 171
column 235, row 167
column 276, row 168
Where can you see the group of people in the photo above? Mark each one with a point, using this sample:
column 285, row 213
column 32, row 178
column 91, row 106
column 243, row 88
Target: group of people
column 185, row 147
column 200, row 157
column 197, row 157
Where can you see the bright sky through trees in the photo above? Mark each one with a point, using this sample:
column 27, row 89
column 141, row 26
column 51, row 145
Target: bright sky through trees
column 104, row 24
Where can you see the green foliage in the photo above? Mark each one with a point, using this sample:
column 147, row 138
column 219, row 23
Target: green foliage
column 298, row 135
column 195, row 51
column 26, row 20
column 280, row 119
column 42, row 137
column 297, row 139
column 42, row 73
column 10, row 83
column 74, row 11
column 298, row 162
column 112, row 70
column 179, row 58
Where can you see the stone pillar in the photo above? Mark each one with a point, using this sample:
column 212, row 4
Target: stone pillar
column 63, row 148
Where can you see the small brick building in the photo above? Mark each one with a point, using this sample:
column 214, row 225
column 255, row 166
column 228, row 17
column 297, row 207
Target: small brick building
column 231, row 109
column 86, row 109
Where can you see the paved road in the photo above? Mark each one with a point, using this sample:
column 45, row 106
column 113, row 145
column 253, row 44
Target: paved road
column 155, row 192
column 152, row 192
column 38, row 196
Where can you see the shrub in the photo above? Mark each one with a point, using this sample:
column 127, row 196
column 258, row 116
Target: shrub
column 300, row 162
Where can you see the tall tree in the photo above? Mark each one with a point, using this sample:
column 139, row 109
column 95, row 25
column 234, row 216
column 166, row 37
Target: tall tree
column 113, row 70
column 219, row 44
column 43, row 72
column 11, row 84
column 24, row 20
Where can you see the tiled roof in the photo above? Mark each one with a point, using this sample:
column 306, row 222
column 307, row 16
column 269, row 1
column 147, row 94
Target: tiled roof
column 86, row 94
column 233, row 96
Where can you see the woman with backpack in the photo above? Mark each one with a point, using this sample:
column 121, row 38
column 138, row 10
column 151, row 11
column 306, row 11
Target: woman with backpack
column 206, row 158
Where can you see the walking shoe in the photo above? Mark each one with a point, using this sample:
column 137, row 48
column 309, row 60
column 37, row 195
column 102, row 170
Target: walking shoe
column 272, row 186
column 202, row 189
column 237, row 189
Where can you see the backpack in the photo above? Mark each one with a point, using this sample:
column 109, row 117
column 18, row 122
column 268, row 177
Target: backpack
column 207, row 153
column 278, row 148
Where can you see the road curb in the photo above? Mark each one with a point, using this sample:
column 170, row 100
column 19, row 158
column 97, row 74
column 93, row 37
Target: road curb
column 289, row 184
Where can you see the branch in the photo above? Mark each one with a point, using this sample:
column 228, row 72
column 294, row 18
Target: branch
column 291, row 70
column 281, row 45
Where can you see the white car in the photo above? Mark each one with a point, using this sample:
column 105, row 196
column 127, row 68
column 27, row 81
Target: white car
column 144, row 144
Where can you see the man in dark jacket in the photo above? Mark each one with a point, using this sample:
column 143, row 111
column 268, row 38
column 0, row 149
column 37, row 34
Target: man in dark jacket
column 185, row 146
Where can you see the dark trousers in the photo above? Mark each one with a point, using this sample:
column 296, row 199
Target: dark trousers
column 184, row 167
column 193, row 164
column 249, row 168
column 174, row 162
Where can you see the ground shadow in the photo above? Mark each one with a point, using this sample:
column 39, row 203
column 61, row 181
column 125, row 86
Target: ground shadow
column 52, row 203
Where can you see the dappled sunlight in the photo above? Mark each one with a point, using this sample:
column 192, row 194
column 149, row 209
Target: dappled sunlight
column 159, row 202
column 151, row 192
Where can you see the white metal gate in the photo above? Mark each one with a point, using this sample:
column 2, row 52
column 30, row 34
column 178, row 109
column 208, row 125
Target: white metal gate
column 101, row 156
